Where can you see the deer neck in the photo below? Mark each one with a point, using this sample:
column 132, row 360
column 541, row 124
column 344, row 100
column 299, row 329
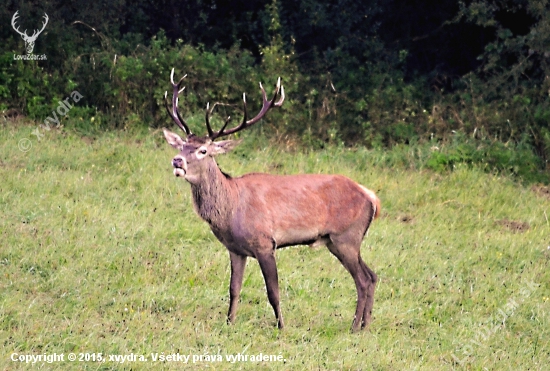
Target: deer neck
column 212, row 196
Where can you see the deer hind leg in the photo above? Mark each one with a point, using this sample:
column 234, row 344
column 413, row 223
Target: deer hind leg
column 238, row 263
column 269, row 271
column 349, row 255
column 367, row 313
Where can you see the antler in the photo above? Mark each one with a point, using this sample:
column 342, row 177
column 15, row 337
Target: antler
column 36, row 32
column 13, row 20
column 267, row 105
column 24, row 34
column 175, row 114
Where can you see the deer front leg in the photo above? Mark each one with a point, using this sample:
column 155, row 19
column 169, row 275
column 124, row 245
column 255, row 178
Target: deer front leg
column 238, row 263
column 269, row 271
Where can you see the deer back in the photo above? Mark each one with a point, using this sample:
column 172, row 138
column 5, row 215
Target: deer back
column 294, row 209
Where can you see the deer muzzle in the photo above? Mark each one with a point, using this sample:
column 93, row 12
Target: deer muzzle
column 180, row 166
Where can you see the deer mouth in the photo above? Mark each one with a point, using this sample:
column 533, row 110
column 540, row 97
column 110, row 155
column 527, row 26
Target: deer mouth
column 179, row 172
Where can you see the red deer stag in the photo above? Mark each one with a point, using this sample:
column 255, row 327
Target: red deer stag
column 255, row 214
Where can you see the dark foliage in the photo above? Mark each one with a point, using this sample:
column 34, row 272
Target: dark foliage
column 373, row 73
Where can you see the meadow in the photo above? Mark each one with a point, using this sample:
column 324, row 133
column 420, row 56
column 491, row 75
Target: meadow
column 101, row 252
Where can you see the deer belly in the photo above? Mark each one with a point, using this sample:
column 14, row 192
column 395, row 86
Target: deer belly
column 297, row 236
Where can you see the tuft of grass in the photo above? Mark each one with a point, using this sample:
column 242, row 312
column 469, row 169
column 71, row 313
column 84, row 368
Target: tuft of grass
column 101, row 252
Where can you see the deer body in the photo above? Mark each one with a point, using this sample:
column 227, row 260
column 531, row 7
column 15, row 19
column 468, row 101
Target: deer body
column 282, row 210
column 255, row 214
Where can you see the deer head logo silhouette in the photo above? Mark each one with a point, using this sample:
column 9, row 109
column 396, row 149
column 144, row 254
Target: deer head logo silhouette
column 29, row 40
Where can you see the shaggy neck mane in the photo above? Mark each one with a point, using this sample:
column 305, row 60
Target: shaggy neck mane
column 211, row 196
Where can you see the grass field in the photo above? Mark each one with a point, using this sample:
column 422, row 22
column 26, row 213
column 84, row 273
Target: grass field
column 101, row 252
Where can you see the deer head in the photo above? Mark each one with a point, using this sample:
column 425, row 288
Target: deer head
column 192, row 160
column 29, row 40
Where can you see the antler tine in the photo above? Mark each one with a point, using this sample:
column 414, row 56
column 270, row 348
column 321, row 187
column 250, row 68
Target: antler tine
column 245, row 111
column 282, row 99
column 183, row 123
column 179, row 82
column 211, row 133
column 207, row 118
column 44, row 25
column 266, row 106
column 174, row 113
column 170, row 113
column 227, row 120
column 13, row 21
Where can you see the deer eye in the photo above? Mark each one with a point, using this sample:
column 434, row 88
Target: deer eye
column 202, row 151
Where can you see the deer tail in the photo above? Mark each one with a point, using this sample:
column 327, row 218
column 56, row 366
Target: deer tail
column 374, row 200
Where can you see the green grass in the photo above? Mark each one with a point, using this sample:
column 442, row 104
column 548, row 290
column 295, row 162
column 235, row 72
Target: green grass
column 101, row 252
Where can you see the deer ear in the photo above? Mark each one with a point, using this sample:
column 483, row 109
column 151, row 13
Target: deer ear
column 173, row 139
column 224, row 146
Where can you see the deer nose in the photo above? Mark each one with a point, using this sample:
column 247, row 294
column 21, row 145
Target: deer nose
column 177, row 162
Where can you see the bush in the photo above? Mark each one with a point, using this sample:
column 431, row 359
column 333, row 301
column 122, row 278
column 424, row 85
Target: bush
column 517, row 159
